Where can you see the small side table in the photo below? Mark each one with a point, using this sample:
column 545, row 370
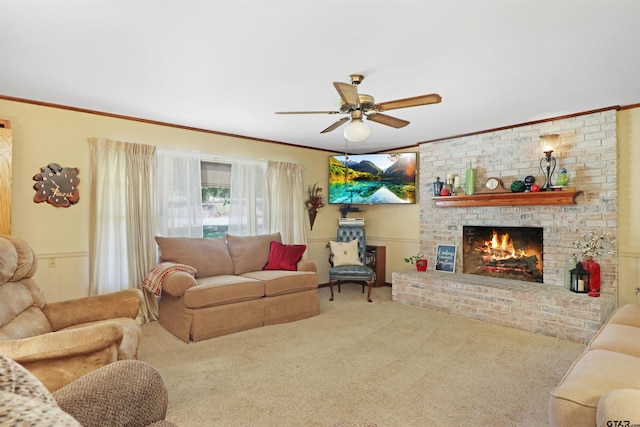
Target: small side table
column 376, row 258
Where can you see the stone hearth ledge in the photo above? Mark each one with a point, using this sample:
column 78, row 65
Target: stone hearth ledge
column 534, row 307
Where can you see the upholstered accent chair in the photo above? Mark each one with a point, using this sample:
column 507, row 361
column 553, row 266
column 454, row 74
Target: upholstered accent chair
column 348, row 259
column 125, row 393
column 61, row 341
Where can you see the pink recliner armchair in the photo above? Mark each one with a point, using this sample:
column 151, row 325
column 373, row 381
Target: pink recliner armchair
column 61, row 341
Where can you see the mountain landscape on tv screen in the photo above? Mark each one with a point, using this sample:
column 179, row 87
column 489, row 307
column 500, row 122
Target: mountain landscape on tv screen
column 373, row 179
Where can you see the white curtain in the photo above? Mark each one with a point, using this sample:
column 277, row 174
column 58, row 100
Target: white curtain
column 179, row 193
column 122, row 219
column 285, row 208
column 246, row 211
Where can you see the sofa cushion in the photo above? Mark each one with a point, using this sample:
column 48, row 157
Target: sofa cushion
column 595, row 373
column 225, row 289
column 14, row 299
column 619, row 405
column 37, row 293
column 209, row 257
column 17, row 259
column 628, row 314
column 284, row 257
column 29, row 323
column 8, row 259
column 345, row 253
column 619, row 338
column 27, row 260
column 250, row 253
column 279, row 282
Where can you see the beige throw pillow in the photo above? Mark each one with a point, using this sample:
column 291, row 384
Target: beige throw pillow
column 345, row 253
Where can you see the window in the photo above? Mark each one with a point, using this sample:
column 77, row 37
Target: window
column 216, row 185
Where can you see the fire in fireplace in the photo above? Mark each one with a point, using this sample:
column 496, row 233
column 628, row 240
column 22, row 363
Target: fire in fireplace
column 506, row 252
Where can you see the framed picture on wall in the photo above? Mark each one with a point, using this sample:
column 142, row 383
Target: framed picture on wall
column 446, row 258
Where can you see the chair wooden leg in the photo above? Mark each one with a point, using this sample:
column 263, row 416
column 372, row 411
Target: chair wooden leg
column 331, row 288
column 369, row 284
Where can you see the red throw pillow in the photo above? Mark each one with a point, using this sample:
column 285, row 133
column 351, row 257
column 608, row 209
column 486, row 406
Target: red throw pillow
column 284, row 257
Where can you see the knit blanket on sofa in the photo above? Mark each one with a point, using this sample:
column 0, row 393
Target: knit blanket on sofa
column 153, row 280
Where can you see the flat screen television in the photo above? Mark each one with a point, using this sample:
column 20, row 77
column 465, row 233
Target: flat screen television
column 373, row 178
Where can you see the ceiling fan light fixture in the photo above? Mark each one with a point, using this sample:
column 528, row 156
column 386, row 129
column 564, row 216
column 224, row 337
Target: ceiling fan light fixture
column 358, row 105
column 357, row 131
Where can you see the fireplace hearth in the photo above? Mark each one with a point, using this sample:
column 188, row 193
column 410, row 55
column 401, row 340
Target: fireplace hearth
column 505, row 252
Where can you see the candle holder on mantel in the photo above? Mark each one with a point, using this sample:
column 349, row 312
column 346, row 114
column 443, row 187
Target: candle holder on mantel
column 580, row 280
column 548, row 162
column 547, row 166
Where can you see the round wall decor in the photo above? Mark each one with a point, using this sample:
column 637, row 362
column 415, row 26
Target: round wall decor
column 57, row 186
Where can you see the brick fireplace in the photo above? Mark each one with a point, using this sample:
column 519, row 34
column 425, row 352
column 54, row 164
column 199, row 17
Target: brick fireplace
column 586, row 147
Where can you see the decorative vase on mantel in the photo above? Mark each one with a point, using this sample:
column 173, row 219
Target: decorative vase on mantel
column 594, row 270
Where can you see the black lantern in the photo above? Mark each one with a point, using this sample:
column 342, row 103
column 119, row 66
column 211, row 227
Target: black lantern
column 580, row 279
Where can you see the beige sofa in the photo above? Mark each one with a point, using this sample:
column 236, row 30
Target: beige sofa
column 602, row 387
column 231, row 291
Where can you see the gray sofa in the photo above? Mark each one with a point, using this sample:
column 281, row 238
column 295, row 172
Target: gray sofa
column 231, row 291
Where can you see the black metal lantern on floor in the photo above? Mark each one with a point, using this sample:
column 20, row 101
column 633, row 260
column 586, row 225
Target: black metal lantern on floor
column 580, row 279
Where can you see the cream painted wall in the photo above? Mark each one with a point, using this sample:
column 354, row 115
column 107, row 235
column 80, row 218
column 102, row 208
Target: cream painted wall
column 43, row 135
column 629, row 179
column 629, row 205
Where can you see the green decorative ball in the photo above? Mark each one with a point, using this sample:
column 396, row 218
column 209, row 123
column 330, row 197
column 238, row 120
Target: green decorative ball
column 517, row 186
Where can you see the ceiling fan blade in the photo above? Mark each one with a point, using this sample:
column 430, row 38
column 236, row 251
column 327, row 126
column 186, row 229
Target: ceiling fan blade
column 348, row 93
column 336, row 124
column 307, row 112
column 387, row 120
column 433, row 98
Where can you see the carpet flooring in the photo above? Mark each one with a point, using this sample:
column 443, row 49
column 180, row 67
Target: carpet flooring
column 362, row 364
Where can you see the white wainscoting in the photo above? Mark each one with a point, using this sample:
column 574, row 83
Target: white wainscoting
column 63, row 276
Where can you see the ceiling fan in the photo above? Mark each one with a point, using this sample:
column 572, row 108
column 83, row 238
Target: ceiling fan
column 357, row 106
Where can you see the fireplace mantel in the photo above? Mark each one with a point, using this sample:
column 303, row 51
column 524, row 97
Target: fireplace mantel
column 564, row 197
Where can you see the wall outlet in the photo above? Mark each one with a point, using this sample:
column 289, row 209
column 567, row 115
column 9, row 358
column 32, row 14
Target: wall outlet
column 53, row 262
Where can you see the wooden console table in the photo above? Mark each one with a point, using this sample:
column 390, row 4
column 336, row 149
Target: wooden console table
column 376, row 258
